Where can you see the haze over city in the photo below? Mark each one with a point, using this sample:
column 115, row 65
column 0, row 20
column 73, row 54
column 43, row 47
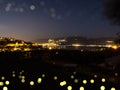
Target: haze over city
column 33, row 19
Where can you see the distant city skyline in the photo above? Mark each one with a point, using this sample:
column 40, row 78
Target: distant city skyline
column 34, row 19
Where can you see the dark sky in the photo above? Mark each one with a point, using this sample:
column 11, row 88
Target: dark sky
column 34, row 19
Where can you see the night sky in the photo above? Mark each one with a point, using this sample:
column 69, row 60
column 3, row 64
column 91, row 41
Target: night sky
column 35, row 19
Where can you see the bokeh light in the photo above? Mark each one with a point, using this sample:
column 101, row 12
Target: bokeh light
column 102, row 88
column 92, row 81
column 39, row 80
column 69, row 87
column 63, row 83
column 81, row 88
column 5, row 88
column 84, row 81
column 31, row 83
column 7, row 82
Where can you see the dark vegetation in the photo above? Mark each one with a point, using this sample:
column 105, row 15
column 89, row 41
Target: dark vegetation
column 73, row 56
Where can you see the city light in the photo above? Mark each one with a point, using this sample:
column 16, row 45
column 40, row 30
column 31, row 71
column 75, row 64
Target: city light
column 76, row 45
column 115, row 47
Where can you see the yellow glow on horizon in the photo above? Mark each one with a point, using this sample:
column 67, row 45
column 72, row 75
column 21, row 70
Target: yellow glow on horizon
column 115, row 47
column 76, row 45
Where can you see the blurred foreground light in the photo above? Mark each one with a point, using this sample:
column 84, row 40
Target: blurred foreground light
column 5, row 88
column 55, row 77
column 43, row 75
column 23, row 80
column 92, row 81
column 13, row 75
column 39, row 80
column 102, row 88
column 23, row 77
column 76, row 81
column 74, row 72
column 84, row 81
column 72, row 77
column 81, row 88
column 113, row 88
column 3, row 78
column 69, row 87
column 13, row 71
column 95, row 76
column 63, row 83
column 116, row 74
column 20, row 77
column 1, row 83
column 103, row 80
column 22, row 71
column 7, row 82
column 31, row 83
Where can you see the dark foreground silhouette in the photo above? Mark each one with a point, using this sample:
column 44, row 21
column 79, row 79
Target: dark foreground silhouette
column 25, row 70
